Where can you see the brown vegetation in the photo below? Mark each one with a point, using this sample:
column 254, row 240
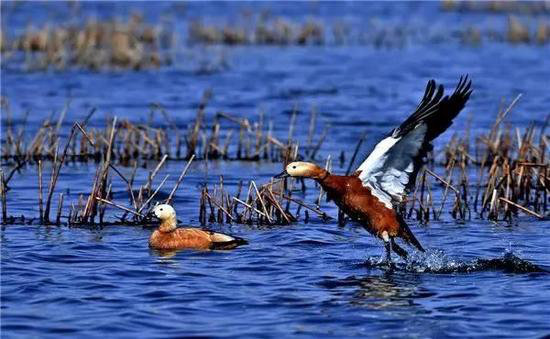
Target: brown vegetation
column 96, row 45
column 502, row 173
column 224, row 137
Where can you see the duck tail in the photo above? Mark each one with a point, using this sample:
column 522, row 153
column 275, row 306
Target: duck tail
column 398, row 249
column 408, row 236
column 225, row 242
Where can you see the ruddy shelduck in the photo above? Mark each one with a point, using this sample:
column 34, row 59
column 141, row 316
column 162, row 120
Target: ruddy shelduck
column 169, row 237
column 371, row 194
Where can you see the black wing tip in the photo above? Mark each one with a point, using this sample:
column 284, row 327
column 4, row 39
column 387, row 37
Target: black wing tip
column 432, row 102
column 464, row 86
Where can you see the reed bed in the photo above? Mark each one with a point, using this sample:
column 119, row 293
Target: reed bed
column 266, row 205
column 496, row 175
column 497, row 6
column 505, row 172
column 222, row 136
column 134, row 44
column 518, row 31
column 263, row 29
column 96, row 45
column 123, row 143
column 90, row 209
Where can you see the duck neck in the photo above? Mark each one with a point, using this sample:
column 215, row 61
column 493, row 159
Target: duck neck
column 168, row 225
column 321, row 175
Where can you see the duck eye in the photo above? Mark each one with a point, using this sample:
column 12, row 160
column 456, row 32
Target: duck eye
column 161, row 209
column 294, row 167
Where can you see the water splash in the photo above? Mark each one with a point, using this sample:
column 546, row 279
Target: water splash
column 436, row 261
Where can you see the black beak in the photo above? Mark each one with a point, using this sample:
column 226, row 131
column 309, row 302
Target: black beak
column 281, row 175
column 151, row 215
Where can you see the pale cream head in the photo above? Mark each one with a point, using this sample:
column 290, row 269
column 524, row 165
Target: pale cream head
column 302, row 169
column 164, row 212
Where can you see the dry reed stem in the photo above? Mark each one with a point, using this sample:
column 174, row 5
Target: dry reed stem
column 3, row 197
column 154, row 194
column 126, row 209
column 250, row 207
column 526, row 210
column 180, row 179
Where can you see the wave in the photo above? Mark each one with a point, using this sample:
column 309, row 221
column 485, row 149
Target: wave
column 438, row 262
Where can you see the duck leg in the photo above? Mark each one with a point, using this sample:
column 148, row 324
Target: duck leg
column 388, row 245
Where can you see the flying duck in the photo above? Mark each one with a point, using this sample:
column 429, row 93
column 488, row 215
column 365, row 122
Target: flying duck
column 371, row 194
column 169, row 237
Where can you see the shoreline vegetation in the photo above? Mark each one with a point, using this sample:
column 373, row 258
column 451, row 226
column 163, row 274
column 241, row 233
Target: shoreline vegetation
column 132, row 44
column 496, row 175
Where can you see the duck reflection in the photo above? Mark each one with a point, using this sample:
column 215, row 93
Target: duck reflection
column 163, row 254
column 378, row 292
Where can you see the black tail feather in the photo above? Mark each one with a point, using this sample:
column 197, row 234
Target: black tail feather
column 407, row 235
column 228, row 245
column 398, row 249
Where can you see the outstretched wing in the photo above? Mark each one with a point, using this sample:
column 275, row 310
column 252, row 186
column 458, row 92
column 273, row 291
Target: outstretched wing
column 390, row 170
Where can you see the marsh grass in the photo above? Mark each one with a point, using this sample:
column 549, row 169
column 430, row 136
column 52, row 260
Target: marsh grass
column 96, row 45
column 133, row 44
column 222, row 136
column 498, row 175
column 123, row 143
column 504, row 173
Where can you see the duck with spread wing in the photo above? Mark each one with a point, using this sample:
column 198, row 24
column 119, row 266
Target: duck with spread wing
column 371, row 194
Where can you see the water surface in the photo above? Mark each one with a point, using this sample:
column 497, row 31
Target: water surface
column 306, row 279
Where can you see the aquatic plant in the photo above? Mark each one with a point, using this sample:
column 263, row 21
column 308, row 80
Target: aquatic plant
column 512, row 173
column 95, row 45
column 270, row 204
column 224, row 137
column 497, row 6
column 510, row 167
column 133, row 44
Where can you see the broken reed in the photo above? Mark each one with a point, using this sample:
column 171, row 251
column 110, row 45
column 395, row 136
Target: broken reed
column 222, row 137
column 96, row 45
column 268, row 204
column 90, row 209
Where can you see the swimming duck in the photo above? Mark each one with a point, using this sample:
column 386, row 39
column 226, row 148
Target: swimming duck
column 371, row 194
column 169, row 237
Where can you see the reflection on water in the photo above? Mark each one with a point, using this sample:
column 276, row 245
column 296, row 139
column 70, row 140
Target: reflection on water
column 377, row 291
column 163, row 255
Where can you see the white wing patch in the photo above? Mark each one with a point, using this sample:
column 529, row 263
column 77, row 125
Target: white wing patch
column 387, row 170
column 376, row 159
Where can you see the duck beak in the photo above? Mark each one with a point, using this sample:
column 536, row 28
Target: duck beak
column 283, row 174
column 151, row 215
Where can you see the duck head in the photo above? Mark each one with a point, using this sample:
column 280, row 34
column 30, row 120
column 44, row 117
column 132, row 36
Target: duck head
column 300, row 169
column 167, row 216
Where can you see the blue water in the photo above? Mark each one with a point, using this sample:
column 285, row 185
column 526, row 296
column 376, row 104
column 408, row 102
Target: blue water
column 305, row 279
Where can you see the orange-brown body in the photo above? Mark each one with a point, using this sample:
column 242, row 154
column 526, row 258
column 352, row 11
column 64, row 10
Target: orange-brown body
column 181, row 238
column 169, row 237
column 358, row 203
